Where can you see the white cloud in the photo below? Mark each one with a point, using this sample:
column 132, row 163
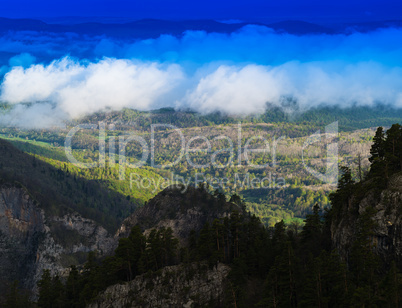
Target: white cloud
column 234, row 73
column 79, row 89
column 235, row 91
column 246, row 90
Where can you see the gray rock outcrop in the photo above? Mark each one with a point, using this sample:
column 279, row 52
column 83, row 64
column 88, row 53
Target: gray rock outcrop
column 387, row 220
column 31, row 242
column 193, row 285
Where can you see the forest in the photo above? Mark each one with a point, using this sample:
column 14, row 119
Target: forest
column 291, row 202
column 291, row 265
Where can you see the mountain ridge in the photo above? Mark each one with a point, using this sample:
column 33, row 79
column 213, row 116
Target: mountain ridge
column 153, row 28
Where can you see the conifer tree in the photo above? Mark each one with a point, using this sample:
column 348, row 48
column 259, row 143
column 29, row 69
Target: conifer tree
column 393, row 149
column 377, row 150
column 16, row 298
column 311, row 236
column 46, row 296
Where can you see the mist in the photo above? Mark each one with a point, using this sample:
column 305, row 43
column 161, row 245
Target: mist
column 53, row 79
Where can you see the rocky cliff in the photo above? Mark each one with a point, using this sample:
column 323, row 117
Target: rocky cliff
column 181, row 209
column 193, row 285
column 21, row 230
column 386, row 206
column 31, row 242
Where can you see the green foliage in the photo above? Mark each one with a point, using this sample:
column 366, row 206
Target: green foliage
column 270, row 267
column 134, row 255
column 386, row 152
column 277, row 121
column 288, row 204
column 299, row 268
column 60, row 190
column 50, row 291
column 16, row 297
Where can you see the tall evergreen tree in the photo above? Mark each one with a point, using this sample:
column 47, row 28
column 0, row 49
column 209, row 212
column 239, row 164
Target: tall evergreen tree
column 311, row 236
column 16, row 298
column 377, row 150
column 393, row 148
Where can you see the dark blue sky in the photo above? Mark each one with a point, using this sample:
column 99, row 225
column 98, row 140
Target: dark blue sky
column 187, row 9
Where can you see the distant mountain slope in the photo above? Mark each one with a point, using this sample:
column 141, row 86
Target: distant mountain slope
column 300, row 27
column 371, row 26
column 153, row 28
column 146, row 28
column 60, row 192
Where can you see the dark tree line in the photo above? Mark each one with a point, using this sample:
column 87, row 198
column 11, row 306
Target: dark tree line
column 386, row 152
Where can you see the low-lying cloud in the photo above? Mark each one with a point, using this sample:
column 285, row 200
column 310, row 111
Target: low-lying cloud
column 237, row 74
column 79, row 89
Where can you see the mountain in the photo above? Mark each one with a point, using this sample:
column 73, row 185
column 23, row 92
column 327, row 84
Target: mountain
column 145, row 28
column 32, row 241
column 291, row 202
column 183, row 209
column 370, row 26
column 60, row 191
column 300, row 27
column 50, row 219
column 7, row 24
column 351, row 254
column 190, row 247
column 153, row 28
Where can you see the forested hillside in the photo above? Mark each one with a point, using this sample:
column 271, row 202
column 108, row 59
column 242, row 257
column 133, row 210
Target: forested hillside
column 282, row 266
column 62, row 190
column 293, row 189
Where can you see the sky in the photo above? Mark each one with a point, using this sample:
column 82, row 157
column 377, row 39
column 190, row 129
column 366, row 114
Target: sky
column 184, row 9
column 49, row 78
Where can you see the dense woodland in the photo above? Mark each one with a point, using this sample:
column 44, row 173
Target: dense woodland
column 281, row 266
column 291, row 202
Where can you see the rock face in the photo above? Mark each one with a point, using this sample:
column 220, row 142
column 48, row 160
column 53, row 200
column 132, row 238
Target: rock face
column 191, row 285
column 31, row 242
column 185, row 285
column 182, row 210
column 21, row 230
column 387, row 236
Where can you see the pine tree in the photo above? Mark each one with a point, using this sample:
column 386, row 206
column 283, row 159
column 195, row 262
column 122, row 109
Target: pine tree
column 392, row 287
column 16, row 298
column 280, row 285
column 342, row 196
column 45, row 299
column 364, row 263
column 128, row 253
column 377, row 150
column 73, row 288
column 311, row 236
column 393, row 149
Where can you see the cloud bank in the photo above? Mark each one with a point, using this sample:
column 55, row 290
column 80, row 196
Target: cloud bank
column 237, row 74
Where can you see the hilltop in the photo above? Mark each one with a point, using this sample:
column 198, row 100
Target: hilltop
column 183, row 209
